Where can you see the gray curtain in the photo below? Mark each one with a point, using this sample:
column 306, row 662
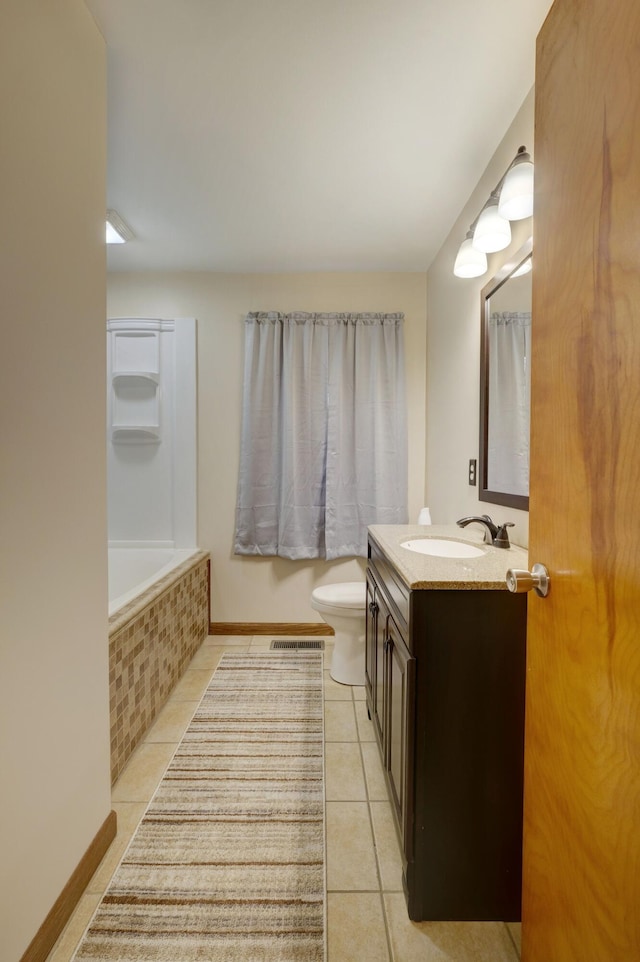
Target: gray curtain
column 324, row 435
column 509, row 401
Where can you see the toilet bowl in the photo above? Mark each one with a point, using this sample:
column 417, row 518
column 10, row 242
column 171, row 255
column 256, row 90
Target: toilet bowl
column 343, row 607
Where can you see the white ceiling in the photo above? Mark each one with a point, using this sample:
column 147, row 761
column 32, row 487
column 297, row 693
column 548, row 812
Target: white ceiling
column 295, row 135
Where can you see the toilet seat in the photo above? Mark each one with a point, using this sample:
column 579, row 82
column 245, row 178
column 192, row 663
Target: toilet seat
column 348, row 594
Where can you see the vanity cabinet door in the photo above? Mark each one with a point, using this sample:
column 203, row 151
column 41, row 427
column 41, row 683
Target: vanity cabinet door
column 380, row 697
column 400, row 679
column 377, row 614
column 370, row 648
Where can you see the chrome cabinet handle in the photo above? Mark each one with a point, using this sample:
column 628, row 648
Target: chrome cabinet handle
column 518, row 580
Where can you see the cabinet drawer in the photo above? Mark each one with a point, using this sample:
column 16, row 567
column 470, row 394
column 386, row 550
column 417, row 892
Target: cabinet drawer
column 396, row 591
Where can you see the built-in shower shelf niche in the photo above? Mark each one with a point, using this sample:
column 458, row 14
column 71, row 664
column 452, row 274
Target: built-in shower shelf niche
column 129, row 378
column 135, row 352
column 132, row 434
column 136, row 349
column 135, row 408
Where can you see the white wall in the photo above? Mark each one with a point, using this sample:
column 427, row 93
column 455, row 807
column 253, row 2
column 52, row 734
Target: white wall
column 453, row 353
column 54, row 710
column 267, row 589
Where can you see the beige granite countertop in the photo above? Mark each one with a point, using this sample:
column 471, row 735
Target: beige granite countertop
column 420, row 571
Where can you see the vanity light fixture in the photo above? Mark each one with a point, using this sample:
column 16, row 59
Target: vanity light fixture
column 493, row 232
column 117, row 231
column 516, row 196
column 511, row 199
column 470, row 262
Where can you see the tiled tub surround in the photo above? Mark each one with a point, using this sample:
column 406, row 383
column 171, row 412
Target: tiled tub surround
column 152, row 640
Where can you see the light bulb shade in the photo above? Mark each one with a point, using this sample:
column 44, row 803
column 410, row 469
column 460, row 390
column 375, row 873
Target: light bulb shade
column 469, row 261
column 493, row 232
column 516, row 196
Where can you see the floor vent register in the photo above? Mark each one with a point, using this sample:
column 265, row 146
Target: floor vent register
column 296, row 645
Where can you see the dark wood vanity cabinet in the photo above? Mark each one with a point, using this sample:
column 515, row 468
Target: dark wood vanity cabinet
column 445, row 675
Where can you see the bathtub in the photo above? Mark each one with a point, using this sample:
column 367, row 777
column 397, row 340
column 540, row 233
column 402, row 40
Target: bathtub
column 158, row 618
column 133, row 570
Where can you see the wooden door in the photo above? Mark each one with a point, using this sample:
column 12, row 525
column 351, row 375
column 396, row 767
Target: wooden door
column 581, row 887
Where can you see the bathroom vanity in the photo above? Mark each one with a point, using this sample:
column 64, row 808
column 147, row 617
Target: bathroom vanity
column 445, row 677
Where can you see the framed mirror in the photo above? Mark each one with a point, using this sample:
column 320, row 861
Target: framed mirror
column 505, row 383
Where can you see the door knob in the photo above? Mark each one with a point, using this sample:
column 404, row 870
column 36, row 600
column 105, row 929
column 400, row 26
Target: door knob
column 518, row 580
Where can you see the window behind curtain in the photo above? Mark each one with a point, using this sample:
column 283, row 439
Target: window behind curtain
column 324, row 435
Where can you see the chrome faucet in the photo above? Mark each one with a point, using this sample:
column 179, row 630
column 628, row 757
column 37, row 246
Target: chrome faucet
column 494, row 534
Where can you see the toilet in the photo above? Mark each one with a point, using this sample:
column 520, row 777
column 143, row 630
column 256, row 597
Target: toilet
column 343, row 607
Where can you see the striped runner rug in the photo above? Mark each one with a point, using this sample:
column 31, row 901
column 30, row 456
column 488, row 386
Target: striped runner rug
column 228, row 861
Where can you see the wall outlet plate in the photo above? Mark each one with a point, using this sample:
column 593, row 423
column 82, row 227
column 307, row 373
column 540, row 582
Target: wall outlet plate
column 473, row 473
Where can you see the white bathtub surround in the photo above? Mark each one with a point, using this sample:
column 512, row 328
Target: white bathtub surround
column 151, row 447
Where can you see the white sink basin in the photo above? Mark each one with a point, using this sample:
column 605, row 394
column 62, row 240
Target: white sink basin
column 442, row 548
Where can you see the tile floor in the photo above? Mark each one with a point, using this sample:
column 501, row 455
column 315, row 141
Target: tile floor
column 366, row 914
